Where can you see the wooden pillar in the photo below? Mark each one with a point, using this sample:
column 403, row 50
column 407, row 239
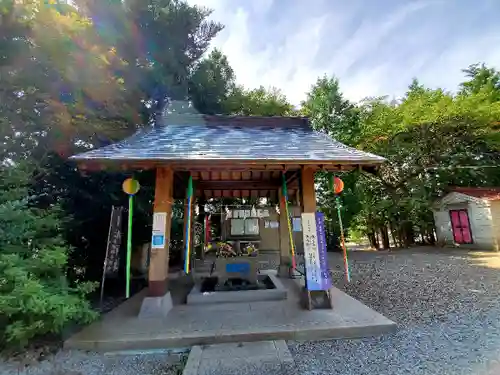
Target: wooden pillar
column 285, row 248
column 308, row 190
column 158, row 267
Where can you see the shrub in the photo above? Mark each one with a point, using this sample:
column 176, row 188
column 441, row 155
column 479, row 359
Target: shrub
column 35, row 296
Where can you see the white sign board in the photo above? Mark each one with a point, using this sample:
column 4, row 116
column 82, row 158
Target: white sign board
column 159, row 223
column 297, row 224
column 311, row 254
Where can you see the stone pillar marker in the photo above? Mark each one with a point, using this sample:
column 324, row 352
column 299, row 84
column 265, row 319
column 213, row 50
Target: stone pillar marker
column 159, row 302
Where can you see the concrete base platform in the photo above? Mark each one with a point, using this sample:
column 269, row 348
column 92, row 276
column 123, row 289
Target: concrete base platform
column 278, row 293
column 253, row 358
column 188, row 325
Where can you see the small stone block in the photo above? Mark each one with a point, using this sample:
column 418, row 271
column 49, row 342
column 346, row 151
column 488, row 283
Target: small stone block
column 283, row 352
column 193, row 362
column 156, row 307
column 320, row 299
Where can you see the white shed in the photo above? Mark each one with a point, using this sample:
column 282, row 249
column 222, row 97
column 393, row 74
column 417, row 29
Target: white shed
column 469, row 217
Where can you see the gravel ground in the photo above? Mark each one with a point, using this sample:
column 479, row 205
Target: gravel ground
column 446, row 303
column 447, row 306
column 82, row 363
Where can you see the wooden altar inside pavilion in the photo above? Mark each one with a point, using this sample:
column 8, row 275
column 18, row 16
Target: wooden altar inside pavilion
column 226, row 156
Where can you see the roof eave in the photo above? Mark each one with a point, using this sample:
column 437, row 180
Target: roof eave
column 104, row 163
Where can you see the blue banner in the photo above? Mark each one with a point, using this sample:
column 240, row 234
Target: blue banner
column 326, row 280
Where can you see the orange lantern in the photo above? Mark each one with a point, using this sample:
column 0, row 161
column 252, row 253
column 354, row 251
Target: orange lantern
column 338, row 185
column 130, row 186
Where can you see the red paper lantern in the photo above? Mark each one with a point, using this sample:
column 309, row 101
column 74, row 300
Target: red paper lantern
column 338, row 185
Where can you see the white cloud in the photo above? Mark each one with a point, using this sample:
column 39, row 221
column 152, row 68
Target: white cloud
column 373, row 50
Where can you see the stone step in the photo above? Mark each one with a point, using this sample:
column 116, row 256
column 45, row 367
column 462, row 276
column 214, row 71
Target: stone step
column 250, row 358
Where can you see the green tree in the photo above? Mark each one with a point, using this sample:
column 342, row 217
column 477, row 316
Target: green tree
column 211, row 84
column 330, row 112
column 481, row 79
column 35, row 295
column 432, row 140
column 258, row 102
column 56, row 86
column 160, row 42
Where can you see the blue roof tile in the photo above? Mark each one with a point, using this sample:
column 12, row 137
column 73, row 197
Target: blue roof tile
column 205, row 138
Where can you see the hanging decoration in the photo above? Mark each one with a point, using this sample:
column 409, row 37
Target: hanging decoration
column 285, row 198
column 189, row 195
column 208, row 238
column 130, row 187
column 337, row 185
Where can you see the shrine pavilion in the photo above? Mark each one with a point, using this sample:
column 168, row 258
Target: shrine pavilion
column 226, row 156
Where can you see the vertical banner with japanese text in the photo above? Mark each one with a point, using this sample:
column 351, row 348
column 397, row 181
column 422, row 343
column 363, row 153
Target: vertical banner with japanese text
column 326, row 280
column 315, row 256
column 311, row 255
column 112, row 259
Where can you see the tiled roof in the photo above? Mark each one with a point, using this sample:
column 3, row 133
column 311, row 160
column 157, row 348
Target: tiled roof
column 192, row 136
column 491, row 194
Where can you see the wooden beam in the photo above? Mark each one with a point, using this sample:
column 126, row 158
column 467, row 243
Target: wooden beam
column 217, row 165
column 239, row 185
column 292, row 177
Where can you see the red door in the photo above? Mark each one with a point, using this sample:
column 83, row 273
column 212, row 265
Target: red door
column 460, row 226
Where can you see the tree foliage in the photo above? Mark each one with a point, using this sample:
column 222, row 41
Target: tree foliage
column 259, row 102
column 35, row 295
column 432, row 140
column 330, row 112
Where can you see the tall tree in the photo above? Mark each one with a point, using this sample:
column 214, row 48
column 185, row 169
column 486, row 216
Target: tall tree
column 481, row 79
column 258, row 102
column 330, row 112
column 160, row 41
column 211, row 84
column 56, row 87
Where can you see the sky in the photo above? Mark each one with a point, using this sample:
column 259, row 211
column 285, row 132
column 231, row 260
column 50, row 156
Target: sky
column 374, row 47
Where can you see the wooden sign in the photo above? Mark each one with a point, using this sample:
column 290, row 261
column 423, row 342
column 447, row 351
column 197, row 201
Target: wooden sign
column 112, row 261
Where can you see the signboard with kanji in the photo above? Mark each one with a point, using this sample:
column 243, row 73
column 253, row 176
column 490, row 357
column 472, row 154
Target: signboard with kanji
column 112, row 260
column 316, row 263
column 326, row 280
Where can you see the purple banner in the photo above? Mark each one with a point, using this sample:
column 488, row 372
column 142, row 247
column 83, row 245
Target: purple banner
column 326, row 281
